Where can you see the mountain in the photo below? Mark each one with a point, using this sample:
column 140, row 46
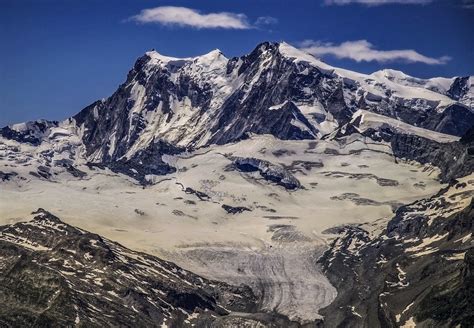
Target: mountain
column 268, row 190
column 457, row 88
column 53, row 274
column 167, row 105
column 420, row 269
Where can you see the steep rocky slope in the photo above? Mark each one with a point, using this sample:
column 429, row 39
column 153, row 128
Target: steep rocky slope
column 53, row 274
column 417, row 272
column 455, row 159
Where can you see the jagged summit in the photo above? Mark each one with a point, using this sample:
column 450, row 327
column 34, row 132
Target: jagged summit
column 160, row 59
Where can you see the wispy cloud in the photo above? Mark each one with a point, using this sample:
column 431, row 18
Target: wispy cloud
column 362, row 50
column 468, row 4
column 376, row 2
column 266, row 20
column 182, row 16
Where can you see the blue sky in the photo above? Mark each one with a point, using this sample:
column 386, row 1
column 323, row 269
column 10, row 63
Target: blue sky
column 58, row 56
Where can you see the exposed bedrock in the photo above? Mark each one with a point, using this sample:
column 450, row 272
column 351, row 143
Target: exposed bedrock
column 418, row 271
column 33, row 132
column 454, row 159
column 144, row 162
column 268, row 171
column 456, row 120
column 234, row 209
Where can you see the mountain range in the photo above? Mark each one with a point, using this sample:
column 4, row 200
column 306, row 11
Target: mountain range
column 299, row 194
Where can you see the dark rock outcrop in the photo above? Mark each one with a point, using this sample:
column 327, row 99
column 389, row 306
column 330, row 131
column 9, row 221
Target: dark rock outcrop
column 268, row 171
column 454, row 159
column 234, row 209
column 199, row 194
column 6, row 176
column 456, row 120
column 32, row 133
column 459, row 88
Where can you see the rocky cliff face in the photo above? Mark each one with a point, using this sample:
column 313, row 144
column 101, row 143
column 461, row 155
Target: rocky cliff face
column 268, row 171
column 455, row 159
column 30, row 132
column 203, row 100
column 461, row 89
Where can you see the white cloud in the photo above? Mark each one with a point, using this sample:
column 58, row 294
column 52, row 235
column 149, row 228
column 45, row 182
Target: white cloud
column 182, row 16
column 377, row 2
column 266, row 20
column 362, row 50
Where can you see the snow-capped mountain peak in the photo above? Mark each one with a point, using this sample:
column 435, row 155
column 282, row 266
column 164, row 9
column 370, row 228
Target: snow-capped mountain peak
column 271, row 167
column 155, row 58
column 213, row 54
column 168, row 104
column 436, row 84
column 396, row 82
column 290, row 51
column 158, row 59
column 456, row 88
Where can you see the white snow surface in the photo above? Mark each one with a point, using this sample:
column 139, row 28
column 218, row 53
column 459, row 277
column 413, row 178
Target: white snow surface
column 437, row 84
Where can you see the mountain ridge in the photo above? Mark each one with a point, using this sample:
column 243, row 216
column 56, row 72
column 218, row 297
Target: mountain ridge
column 168, row 105
column 56, row 274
